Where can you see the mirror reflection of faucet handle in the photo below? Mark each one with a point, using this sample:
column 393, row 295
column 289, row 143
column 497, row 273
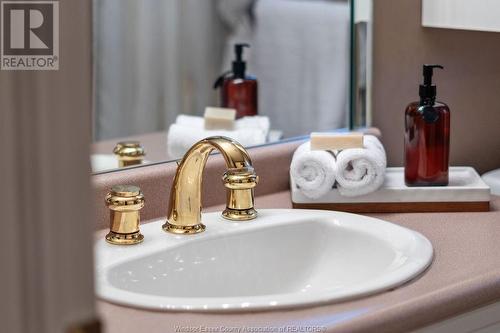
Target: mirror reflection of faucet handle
column 129, row 153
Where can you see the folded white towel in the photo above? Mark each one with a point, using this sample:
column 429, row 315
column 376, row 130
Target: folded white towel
column 313, row 170
column 361, row 170
column 260, row 122
column 190, row 121
column 255, row 122
column 249, row 131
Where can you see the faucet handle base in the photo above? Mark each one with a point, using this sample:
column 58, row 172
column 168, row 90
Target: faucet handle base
column 183, row 229
column 239, row 214
column 124, row 239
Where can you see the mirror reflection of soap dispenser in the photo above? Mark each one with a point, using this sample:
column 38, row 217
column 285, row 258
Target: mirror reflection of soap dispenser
column 427, row 136
column 237, row 89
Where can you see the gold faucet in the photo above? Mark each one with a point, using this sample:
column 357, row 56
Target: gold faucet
column 184, row 211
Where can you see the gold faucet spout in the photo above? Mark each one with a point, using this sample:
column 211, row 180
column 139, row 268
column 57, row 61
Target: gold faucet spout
column 184, row 211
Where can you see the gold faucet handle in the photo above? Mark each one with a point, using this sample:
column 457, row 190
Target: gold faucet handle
column 124, row 202
column 240, row 184
column 240, row 179
column 129, row 153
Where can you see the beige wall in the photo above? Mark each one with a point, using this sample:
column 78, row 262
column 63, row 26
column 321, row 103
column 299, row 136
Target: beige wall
column 470, row 84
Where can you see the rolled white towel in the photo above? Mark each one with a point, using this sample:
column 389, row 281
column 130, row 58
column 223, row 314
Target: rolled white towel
column 313, row 171
column 180, row 137
column 361, row 170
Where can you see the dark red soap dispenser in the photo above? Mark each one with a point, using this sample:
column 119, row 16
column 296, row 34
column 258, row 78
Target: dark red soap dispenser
column 427, row 137
column 238, row 90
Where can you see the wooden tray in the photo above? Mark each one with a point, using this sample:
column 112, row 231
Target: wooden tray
column 466, row 192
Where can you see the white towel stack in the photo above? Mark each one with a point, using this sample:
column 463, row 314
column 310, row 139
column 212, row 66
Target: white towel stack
column 356, row 171
column 187, row 130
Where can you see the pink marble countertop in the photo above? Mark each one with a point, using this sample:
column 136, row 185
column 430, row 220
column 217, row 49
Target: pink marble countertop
column 465, row 275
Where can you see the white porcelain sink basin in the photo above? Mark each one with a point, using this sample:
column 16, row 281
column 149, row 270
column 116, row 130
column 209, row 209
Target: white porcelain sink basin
column 283, row 258
column 492, row 178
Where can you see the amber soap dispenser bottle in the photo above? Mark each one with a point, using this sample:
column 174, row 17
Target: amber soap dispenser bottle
column 427, row 136
column 238, row 90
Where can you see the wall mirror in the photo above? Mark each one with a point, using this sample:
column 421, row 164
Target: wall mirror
column 156, row 61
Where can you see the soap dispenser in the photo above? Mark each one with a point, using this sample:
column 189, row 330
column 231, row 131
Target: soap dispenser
column 427, row 136
column 238, row 90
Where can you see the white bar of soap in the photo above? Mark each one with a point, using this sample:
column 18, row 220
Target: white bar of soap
column 219, row 118
column 336, row 141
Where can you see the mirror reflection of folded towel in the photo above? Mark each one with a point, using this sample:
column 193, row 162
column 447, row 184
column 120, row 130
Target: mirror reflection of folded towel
column 187, row 130
column 354, row 172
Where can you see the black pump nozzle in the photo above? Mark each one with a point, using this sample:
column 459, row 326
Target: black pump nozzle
column 428, row 71
column 238, row 50
column 427, row 90
column 239, row 66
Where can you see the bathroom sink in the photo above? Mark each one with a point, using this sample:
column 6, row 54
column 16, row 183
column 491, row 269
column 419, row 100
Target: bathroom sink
column 284, row 258
column 492, row 178
column 103, row 162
